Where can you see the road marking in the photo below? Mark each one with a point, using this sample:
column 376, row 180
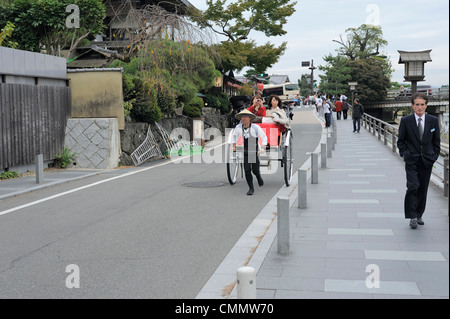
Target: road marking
column 353, row 201
column 404, row 255
column 360, row 286
column 360, row 231
column 14, row 209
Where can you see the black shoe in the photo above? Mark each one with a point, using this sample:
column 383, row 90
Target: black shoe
column 250, row 191
column 358, row 131
column 413, row 223
column 420, row 221
column 354, row 131
column 260, row 181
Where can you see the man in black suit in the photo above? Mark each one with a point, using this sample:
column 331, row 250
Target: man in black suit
column 419, row 143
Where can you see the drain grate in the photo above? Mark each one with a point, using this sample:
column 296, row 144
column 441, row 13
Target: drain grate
column 204, row 184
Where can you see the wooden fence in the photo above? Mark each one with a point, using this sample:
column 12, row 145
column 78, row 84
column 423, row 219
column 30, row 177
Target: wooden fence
column 33, row 120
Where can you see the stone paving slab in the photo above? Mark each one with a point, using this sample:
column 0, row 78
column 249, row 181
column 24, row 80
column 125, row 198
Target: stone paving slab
column 354, row 220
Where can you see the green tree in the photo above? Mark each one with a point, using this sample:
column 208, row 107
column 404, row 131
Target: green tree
column 41, row 24
column 337, row 74
column 362, row 42
column 236, row 20
column 304, row 84
column 166, row 73
column 358, row 59
column 372, row 82
column 5, row 34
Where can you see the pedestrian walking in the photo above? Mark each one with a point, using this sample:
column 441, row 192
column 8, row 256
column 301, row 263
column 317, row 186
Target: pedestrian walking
column 357, row 113
column 345, row 107
column 250, row 134
column 339, row 108
column 419, row 143
column 319, row 104
column 327, row 113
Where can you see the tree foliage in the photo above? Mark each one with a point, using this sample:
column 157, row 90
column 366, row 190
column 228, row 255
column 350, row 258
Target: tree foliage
column 234, row 56
column 41, row 24
column 5, row 35
column 362, row 42
column 236, row 20
column 164, row 74
column 358, row 60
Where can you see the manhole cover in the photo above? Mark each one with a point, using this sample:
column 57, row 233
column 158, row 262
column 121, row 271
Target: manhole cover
column 204, row 184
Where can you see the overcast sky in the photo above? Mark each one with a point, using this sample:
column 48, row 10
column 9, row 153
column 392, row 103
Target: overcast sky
column 408, row 25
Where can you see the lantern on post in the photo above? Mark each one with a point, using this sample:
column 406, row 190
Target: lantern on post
column 352, row 89
column 414, row 62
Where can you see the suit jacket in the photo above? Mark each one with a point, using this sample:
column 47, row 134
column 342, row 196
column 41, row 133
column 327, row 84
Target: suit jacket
column 411, row 148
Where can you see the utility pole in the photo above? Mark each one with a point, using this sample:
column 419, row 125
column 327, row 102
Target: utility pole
column 312, row 68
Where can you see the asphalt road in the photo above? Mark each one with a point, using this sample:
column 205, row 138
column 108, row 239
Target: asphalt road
column 144, row 235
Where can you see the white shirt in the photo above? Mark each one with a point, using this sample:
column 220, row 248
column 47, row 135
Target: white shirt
column 423, row 120
column 326, row 107
column 319, row 102
column 255, row 131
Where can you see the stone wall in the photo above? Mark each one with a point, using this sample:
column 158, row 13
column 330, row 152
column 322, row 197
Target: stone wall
column 135, row 133
column 95, row 141
column 99, row 143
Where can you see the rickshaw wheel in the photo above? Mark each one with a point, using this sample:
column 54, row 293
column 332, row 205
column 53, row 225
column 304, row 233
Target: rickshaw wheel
column 288, row 162
column 232, row 167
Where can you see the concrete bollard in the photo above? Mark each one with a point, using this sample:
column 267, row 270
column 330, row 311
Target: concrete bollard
column 329, row 146
column 314, row 168
column 246, row 283
column 446, row 177
column 335, row 132
column 333, row 139
column 39, row 162
column 302, row 188
column 323, row 155
column 283, row 237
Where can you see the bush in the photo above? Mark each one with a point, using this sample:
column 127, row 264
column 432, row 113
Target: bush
column 218, row 100
column 65, row 158
column 194, row 109
column 146, row 109
column 9, row 175
column 167, row 101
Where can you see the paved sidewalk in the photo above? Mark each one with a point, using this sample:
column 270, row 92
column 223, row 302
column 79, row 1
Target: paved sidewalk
column 353, row 224
column 26, row 184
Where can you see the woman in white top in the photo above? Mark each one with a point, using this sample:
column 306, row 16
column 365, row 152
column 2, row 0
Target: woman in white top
column 327, row 113
column 276, row 112
column 250, row 133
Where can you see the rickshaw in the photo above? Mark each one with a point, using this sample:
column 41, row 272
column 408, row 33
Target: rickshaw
column 278, row 149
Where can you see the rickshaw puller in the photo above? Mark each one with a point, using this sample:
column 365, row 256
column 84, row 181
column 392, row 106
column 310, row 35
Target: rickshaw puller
column 250, row 133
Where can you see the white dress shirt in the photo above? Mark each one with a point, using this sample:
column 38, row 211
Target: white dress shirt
column 423, row 120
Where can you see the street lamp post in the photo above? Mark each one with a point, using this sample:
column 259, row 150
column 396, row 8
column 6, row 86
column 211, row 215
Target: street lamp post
column 414, row 66
column 312, row 68
column 353, row 88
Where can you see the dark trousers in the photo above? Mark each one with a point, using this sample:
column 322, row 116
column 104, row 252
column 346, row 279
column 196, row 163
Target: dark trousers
column 327, row 119
column 251, row 164
column 417, row 181
column 345, row 114
column 338, row 114
column 356, row 124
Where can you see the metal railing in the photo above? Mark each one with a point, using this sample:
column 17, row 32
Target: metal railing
column 388, row 134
